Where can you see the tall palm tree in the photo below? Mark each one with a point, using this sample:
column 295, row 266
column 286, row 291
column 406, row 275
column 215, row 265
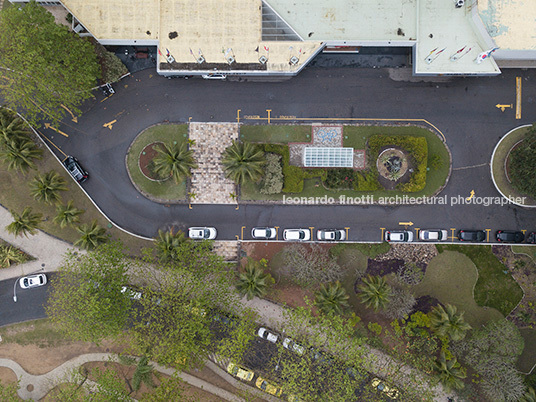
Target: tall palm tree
column 253, row 281
column 10, row 255
column 446, row 321
column 331, row 298
column 167, row 244
column 46, row 187
column 11, row 126
column 243, row 160
column 450, row 372
column 25, row 223
column 375, row 292
column 20, row 154
column 92, row 236
column 174, row 160
column 67, row 214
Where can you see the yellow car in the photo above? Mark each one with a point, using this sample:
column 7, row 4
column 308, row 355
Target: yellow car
column 240, row 372
column 267, row 387
column 380, row 385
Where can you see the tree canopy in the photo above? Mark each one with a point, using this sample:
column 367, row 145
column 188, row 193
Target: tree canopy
column 43, row 66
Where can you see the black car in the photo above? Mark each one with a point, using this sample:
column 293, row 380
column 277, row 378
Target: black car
column 74, row 168
column 531, row 238
column 472, row 235
column 510, row 236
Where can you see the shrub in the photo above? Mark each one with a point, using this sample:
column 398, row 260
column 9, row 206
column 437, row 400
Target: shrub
column 367, row 181
column 342, row 178
column 272, row 182
column 435, row 162
column 417, row 147
column 400, row 304
column 523, row 164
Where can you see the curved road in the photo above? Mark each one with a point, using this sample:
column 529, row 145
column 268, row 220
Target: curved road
column 462, row 108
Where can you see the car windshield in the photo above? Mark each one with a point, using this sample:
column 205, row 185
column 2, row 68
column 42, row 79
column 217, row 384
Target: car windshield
column 206, row 233
column 25, row 281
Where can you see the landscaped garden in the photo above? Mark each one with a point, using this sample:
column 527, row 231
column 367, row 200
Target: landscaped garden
column 441, row 309
column 389, row 161
column 155, row 162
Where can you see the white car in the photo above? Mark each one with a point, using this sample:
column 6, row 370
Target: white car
column 433, row 235
column 297, row 234
column 131, row 293
column 264, row 233
column 293, row 346
column 202, row 233
column 331, row 235
column 33, row 281
column 214, row 76
column 269, row 336
column 399, row 236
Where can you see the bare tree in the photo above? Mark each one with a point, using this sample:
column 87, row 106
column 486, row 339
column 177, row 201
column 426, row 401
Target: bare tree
column 400, row 304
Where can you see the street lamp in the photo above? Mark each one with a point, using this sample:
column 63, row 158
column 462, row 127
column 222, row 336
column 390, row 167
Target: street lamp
column 17, row 281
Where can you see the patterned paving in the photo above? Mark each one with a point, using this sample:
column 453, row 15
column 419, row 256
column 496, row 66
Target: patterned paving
column 208, row 181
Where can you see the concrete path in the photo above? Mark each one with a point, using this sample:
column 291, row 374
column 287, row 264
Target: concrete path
column 35, row 387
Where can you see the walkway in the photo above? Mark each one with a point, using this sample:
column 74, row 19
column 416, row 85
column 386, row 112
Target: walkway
column 35, row 387
column 209, row 183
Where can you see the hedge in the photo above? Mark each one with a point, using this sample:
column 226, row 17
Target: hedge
column 417, row 147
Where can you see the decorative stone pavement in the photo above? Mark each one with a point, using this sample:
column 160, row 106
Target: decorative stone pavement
column 226, row 249
column 324, row 136
column 208, row 181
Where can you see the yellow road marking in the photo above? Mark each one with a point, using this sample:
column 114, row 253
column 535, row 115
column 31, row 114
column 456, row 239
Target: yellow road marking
column 189, row 119
column 105, row 98
column 237, row 207
column 487, row 234
column 238, row 115
column 190, row 205
column 269, row 111
column 237, row 238
column 55, row 146
column 74, row 118
column 311, row 229
column 276, row 232
column 453, row 230
column 383, row 229
column 502, row 107
column 417, row 232
column 242, row 233
column 347, row 229
column 471, row 195
column 47, row 125
column 406, row 223
column 518, row 98
column 110, row 124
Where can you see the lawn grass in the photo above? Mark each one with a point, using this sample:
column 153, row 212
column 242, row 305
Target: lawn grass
column 527, row 360
column 167, row 190
column 497, row 164
column 495, row 286
column 276, row 133
column 450, row 278
column 15, row 195
column 528, row 250
column 42, row 333
column 371, row 250
column 356, row 137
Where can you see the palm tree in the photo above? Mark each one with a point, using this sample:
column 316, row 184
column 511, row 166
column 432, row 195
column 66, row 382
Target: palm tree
column 331, row 299
column 91, row 237
column 46, row 187
column 25, row 223
column 529, row 396
column 243, row 160
column 253, row 281
column 167, row 244
column 9, row 255
column 375, row 292
column 19, row 153
column 11, row 126
column 174, row 160
column 67, row 214
column 446, row 321
column 142, row 374
column 450, row 372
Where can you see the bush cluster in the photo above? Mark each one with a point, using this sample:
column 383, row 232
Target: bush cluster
column 417, row 147
column 522, row 165
column 272, row 182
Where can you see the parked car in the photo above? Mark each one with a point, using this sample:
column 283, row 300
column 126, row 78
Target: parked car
column 202, row 233
column 398, row 236
column 74, row 168
column 240, row 372
column 297, row 234
column 509, row 236
column 214, row 76
column 132, row 293
column 261, row 383
column 472, row 235
column 331, row 234
column 264, row 233
column 433, row 235
column 33, row 281
column 293, row 346
column 269, row 336
column 531, row 238
column 380, row 385
column 107, row 89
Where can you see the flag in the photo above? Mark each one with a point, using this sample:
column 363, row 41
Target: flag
column 200, row 53
column 266, row 48
column 441, row 51
column 191, row 52
column 461, row 50
column 159, row 52
column 300, row 50
column 167, row 52
column 492, row 50
column 257, row 49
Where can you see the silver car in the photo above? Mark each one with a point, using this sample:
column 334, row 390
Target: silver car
column 293, row 346
column 33, row 281
column 398, row 236
column 297, row 234
column 264, row 233
column 269, row 336
column 433, row 235
column 202, row 233
column 331, row 235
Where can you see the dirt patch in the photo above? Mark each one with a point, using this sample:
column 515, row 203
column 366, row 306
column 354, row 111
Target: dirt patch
column 419, row 254
column 7, row 376
column 259, row 250
column 425, row 304
column 384, row 267
column 146, row 159
column 50, row 357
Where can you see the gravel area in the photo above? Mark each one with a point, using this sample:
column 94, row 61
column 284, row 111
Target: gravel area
column 420, row 254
